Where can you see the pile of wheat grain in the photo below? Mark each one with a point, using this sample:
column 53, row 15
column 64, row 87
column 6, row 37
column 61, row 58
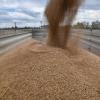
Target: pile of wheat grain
column 37, row 72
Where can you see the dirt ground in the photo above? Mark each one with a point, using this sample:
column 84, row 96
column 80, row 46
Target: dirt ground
column 34, row 71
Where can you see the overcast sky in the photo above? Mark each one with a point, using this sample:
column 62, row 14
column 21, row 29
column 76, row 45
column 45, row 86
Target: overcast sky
column 30, row 12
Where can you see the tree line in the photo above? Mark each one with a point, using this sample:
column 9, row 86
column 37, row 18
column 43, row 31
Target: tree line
column 87, row 25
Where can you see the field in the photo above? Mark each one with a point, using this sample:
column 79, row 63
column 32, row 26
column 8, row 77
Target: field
column 9, row 32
